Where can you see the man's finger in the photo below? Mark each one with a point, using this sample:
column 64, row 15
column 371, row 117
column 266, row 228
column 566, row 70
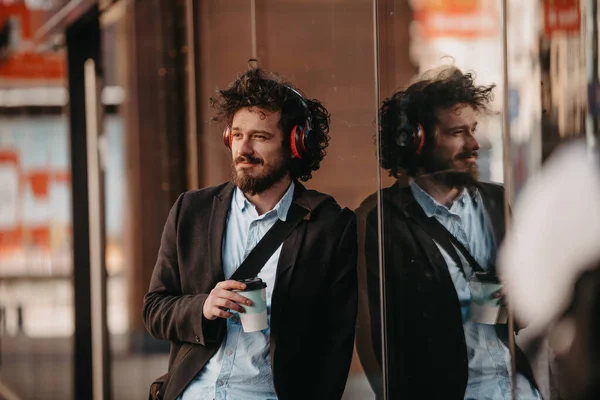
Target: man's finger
column 231, row 285
column 223, row 314
column 228, row 304
column 238, row 298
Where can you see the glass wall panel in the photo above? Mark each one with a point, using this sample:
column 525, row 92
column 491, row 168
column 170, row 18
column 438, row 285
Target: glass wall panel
column 440, row 219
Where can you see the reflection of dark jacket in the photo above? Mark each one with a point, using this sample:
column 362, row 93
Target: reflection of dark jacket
column 313, row 305
column 427, row 354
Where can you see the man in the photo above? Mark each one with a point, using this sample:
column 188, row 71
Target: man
column 276, row 137
column 434, row 349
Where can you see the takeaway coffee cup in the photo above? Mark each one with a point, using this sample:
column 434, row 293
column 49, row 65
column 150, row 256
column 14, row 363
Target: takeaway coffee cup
column 485, row 307
column 255, row 317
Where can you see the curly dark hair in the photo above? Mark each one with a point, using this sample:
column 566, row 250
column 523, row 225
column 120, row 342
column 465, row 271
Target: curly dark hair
column 271, row 93
column 434, row 90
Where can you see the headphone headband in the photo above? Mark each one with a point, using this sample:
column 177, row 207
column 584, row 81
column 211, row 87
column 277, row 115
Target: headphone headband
column 299, row 143
column 304, row 104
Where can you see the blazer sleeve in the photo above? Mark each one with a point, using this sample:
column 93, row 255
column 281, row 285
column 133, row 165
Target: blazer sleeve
column 340, row 311
column 168, row 314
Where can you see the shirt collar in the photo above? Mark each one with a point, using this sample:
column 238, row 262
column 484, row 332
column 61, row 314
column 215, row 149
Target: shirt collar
column 281, row 208
column 429, row 205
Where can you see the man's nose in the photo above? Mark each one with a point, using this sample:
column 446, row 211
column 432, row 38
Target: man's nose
column 245, row 146
column 472, row 142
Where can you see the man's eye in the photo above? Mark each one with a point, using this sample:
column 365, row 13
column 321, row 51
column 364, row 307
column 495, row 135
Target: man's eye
column 260, row 137
column 237, row 135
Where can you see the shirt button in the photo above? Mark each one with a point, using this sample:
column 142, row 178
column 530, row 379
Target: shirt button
column 229, row 353
column 197, row 339
column 219, row 383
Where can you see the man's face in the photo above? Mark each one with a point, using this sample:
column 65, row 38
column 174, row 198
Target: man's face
column 456, row 148
column 259, row 158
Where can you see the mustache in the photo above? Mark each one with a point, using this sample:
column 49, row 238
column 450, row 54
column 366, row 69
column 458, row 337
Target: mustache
column 248, row 159
column 467, row 154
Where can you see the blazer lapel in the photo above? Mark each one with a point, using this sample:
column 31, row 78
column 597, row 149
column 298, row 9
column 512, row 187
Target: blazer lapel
column 407, row 204
column 289, row 254
column 216, row 230
column 494, row 205
column 287, row 260
column 402, row 200
column 285, row 271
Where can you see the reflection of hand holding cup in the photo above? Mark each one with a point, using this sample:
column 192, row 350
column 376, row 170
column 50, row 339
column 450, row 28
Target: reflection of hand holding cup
column 486, row 305
column 255, row 317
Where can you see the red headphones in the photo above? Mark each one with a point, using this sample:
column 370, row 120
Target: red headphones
column 299, row 136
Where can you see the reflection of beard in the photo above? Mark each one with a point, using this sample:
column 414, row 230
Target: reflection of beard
column 252, row 185
column 447, row 172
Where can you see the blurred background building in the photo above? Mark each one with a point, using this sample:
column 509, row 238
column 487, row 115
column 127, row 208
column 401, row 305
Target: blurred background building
column 104, row 120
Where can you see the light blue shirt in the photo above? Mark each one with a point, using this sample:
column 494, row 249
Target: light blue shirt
column 488, row 357
column 241, row 368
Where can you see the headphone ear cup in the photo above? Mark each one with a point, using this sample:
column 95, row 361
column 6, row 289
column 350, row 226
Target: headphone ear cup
column 405, row 137
column 305, row 138
column 419, row 137
column 295, row 141
column 227, row 137
column 412, row 138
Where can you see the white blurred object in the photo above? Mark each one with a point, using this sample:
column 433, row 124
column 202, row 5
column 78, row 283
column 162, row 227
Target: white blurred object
column 555, row 236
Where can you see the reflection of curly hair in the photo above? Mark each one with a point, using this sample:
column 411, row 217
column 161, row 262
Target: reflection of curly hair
column 434, row 90
column 271, row 93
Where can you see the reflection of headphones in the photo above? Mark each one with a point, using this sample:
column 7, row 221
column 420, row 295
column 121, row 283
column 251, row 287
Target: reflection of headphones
column 299, row 136
column 410, row 136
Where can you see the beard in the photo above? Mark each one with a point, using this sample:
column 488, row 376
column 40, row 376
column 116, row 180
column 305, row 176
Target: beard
column 446, row 171
column 257, row 184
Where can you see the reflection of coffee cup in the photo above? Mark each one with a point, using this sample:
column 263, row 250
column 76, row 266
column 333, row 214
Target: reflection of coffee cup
column 485, row 308
column 255, row 317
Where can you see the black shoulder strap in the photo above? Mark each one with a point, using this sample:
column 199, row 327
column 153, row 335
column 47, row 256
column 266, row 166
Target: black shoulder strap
column 441, row 235
column 265, row 248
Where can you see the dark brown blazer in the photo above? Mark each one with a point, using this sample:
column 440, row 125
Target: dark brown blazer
column 314, row 300
column 426, row 348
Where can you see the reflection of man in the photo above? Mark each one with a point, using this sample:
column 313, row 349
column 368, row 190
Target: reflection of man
column 434, row 348
column 276, row 137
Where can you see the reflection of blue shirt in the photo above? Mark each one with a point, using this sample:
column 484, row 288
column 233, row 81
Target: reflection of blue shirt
column 489, row 358
column 241, row 369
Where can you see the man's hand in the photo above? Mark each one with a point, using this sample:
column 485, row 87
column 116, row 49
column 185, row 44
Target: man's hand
column 221, row 299
column 500, row 294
